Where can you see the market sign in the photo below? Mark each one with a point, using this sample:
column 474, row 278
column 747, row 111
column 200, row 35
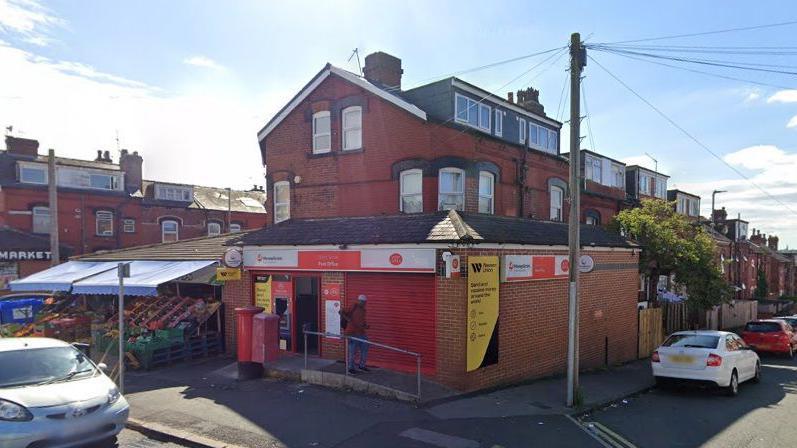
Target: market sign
column 379, row 260
column 227, row 274
column 13, row 255
column 482, row 328
column 517, row 268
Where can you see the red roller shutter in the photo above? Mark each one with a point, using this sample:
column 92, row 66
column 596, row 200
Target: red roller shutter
column 401, row 313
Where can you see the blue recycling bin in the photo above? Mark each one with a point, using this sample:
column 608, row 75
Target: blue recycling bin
column 19, row 311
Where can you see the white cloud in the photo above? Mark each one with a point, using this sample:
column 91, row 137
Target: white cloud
column 793, row 122
column 28, row 19
column 204, row 62
column 206, row 138
column 783, row 96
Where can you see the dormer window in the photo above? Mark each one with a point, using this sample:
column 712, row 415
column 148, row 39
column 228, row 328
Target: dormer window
column 32, row 174
column 472, row 113
column 543, row 139
column 174, row 193
column 322, row 132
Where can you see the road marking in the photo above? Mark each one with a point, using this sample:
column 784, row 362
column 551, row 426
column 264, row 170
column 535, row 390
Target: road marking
column 606, row 436
column 438, row 439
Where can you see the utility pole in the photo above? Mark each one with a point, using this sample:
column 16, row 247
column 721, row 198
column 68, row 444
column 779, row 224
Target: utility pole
column 229, row 208
column 577, row 62
column 52, row 189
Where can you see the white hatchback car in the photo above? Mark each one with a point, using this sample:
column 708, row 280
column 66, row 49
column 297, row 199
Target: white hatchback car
column 716, row 358
column 52, row 395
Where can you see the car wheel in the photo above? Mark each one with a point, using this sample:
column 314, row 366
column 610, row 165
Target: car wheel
column 733, row 387
column 757, row 376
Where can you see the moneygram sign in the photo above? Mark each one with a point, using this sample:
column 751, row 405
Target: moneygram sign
column 518, row 268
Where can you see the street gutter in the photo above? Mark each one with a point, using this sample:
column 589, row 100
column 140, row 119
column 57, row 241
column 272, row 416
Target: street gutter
column 180, row 437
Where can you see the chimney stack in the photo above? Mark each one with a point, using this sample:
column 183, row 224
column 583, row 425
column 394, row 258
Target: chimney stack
column 772, row 242
column 107, row 156
column 529, row 99
column 99, row 156
column 383, row 69
column 510, row 97
column 22, row 146
column 720, row 215
column 132, row 166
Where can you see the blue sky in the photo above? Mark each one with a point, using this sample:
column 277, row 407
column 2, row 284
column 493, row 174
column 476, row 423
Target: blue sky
column 189, row 83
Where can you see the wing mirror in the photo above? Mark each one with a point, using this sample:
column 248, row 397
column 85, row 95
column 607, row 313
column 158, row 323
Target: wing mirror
column 102, row 366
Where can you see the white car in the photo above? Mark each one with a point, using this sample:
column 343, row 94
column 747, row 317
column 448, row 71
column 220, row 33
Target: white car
column 53, row 395
column 715, row 358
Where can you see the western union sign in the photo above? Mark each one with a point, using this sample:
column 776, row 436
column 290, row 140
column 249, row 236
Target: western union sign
column 483, row 281
column 227, row 274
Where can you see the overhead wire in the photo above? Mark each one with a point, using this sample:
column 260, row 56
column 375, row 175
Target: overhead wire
column 706, row 33
column 691, row 137
column 589, row 118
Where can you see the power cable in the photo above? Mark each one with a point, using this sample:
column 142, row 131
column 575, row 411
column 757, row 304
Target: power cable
column 752, row 51
column 690, row 136
column 562, row 95
column 706, row 33
column 589, row 118
column 742, row 63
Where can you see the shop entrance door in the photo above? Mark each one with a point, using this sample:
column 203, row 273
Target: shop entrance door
column 307, row 289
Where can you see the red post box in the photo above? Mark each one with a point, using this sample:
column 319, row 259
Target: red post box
column 243, row 318
column 265, row 337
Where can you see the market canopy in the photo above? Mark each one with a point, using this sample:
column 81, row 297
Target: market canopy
column 61, row 277
column 145, row 276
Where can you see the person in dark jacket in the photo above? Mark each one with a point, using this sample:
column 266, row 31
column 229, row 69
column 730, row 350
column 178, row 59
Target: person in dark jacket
column 356, row 327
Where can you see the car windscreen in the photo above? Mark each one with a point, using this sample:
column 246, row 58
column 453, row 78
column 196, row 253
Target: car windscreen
column 789, row 320
column 762, row 327
column 692, row 340
column 40, row 365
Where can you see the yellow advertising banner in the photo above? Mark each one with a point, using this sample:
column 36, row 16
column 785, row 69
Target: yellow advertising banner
column 483, row 281
column 263, row 294
column 226, row 274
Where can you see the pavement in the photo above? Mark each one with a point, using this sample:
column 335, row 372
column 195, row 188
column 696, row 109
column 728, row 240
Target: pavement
column 762, row 415
column 204, row 399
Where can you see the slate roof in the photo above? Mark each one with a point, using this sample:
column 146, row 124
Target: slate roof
column 203, row 248
column 13, row 239
column 441, row 227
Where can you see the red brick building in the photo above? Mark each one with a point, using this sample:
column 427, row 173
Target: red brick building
column 392, row 193
column 103, row 205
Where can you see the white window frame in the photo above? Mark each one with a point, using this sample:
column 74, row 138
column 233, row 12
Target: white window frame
column 33, row 167
column 179, row 193
column 694, row 207
column 486, row 176
column 460, row 192
column 660, row 187
column 129, row 225
column 41, row 211
column 175, row 232
column 618, row 176
column 214, row 228
column 591, row 221
column 350, row 128
column 235, row 227
column 591, row 164
column 553, row 142
column 472, row 106
column 499, row 122
column 521, row 131
column 644, row 184
column 316, row 148
column 278, row 205
column 557, row 209
column 402, row 194
column 103, row 216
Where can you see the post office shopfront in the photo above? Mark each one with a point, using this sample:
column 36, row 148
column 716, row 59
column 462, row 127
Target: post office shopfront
column 480, row 312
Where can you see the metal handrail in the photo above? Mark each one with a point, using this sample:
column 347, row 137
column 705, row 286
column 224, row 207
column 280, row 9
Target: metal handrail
column 377, row 344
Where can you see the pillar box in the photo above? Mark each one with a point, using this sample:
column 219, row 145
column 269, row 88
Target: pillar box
column 265, row 338
column 243, row 321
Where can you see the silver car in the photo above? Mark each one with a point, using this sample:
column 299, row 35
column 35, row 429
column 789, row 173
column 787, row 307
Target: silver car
column 52, row 395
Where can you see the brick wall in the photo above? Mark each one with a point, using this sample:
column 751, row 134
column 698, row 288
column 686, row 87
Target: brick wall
column 235, row 294
column 533, row 322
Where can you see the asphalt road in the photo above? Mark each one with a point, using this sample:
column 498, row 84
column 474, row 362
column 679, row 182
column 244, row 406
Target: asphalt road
column 132, row 439
column 762, row 415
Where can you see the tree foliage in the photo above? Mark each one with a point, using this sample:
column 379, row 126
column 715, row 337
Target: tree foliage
column 761, row 288
column 671, row 244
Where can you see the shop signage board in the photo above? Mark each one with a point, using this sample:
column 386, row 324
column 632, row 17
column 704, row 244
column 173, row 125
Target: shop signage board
column 263, row 292
column 330, row 291
column 227, row 274
column 15, row 255
column 233, row 257
column 586, row 264
column 516, row 268
column 483, row 296
column 378, row 260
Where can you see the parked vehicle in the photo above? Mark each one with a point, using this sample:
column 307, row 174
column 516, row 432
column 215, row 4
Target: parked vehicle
column 21, row 308
column 53, row 395
column 791, row 320
column 770, row 335
column 711, row 358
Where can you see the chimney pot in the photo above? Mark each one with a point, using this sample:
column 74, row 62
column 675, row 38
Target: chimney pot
column 510, row 97
column 107, row 156
column 383, row 69
column 99, row 156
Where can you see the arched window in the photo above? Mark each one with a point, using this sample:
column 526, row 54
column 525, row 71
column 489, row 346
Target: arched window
column 41, row 219
column 486, row 192
column 235, row 227
column 557, row 199
column 451, row 189
column 282, row 201
column 352, row 128
column 214, row 228
column 411, row 184
column 104, row 223
column 322, row 132
column 592, row 217
column 170, row 230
